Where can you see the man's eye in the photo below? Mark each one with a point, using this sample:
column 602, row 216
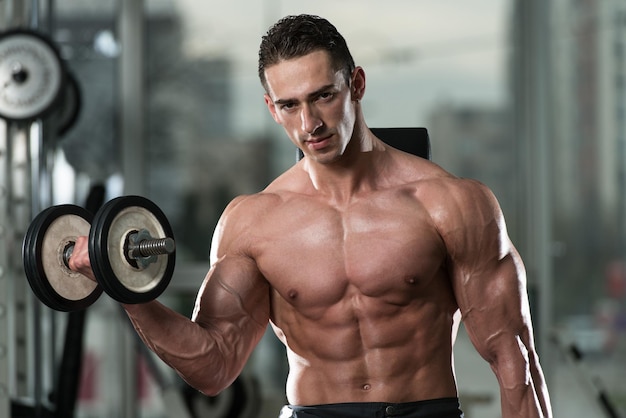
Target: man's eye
column 287, row 106
column 326, row 96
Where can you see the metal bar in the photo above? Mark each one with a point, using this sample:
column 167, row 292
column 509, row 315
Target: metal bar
column 542, row 180
column 17, row 14
column 131, row 61
column 19, row 359
column 532, row 116
column 31, row 164
column 23, row 320
column 34, row 14
column 131, row 111
column 5, row 290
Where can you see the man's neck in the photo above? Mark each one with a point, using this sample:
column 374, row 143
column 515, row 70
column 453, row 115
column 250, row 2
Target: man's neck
column 352, row 174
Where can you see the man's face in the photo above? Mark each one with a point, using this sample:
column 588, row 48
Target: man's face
column 313, row 103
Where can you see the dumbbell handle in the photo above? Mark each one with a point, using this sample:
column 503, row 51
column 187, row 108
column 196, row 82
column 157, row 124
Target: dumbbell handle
column 138, row 247
column 141, row 248
column 149, row 247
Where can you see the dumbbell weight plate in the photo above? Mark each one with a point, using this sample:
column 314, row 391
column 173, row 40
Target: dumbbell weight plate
column 119, row 278
column 42, row 253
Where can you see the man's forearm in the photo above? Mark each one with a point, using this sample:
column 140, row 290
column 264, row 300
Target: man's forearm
column 195, row 354
column 541, row 389
column 529, row 400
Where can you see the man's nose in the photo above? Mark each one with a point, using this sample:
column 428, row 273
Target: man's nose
column 310, row 119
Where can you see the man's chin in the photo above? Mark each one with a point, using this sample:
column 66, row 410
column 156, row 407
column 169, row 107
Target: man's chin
column 325, row 158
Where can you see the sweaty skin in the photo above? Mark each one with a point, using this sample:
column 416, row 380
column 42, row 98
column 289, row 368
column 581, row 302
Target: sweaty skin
column 360, row 257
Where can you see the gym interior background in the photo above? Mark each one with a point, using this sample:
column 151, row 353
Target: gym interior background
column 528, row 96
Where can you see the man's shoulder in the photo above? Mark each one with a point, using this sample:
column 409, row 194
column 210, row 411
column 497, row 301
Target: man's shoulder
column 460, row 205
column 458, row 188
column 241, row 221
column 436, row 182
column 251, row 205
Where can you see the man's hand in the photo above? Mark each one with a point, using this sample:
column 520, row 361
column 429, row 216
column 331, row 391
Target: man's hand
column 79, row 260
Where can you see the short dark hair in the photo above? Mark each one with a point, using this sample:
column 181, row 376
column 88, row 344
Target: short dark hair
column 296, row 36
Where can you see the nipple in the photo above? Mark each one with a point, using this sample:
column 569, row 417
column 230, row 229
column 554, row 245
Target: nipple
column 292, row 294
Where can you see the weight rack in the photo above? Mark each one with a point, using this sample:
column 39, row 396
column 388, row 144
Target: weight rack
column 26, row 361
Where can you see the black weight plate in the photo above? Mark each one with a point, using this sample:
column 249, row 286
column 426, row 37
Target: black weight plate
column 120, row 279
column 70, row 105
column 35, row 273
column 50, row 279
column 29, row 261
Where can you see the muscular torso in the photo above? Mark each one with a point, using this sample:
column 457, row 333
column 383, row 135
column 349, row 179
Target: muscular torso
column 360, row 295
column 361, row 287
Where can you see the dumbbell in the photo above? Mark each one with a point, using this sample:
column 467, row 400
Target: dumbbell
column 131, row 250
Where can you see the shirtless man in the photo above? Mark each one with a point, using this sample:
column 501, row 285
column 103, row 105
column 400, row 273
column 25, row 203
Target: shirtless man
column 361, row 257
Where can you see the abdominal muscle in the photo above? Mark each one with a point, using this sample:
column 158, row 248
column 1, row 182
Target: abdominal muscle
column 373, row 353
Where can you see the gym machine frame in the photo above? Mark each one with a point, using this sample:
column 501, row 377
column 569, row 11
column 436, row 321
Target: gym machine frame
column 23, row 187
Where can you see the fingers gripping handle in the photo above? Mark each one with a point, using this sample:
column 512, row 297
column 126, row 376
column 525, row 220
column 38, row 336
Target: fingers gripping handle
column 67, row 253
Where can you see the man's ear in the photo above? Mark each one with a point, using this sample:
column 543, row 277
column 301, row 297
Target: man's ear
column 358, row 84
column 271, row 106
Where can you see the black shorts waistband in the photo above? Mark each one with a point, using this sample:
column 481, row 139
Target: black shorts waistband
column 431, row 408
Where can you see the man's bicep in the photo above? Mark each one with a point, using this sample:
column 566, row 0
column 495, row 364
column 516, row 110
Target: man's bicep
column 233, row 293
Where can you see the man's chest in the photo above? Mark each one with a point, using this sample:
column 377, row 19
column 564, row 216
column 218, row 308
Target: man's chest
column 376, row 247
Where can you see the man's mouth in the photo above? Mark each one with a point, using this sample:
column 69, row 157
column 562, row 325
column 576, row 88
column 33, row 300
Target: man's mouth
column 317, row 143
